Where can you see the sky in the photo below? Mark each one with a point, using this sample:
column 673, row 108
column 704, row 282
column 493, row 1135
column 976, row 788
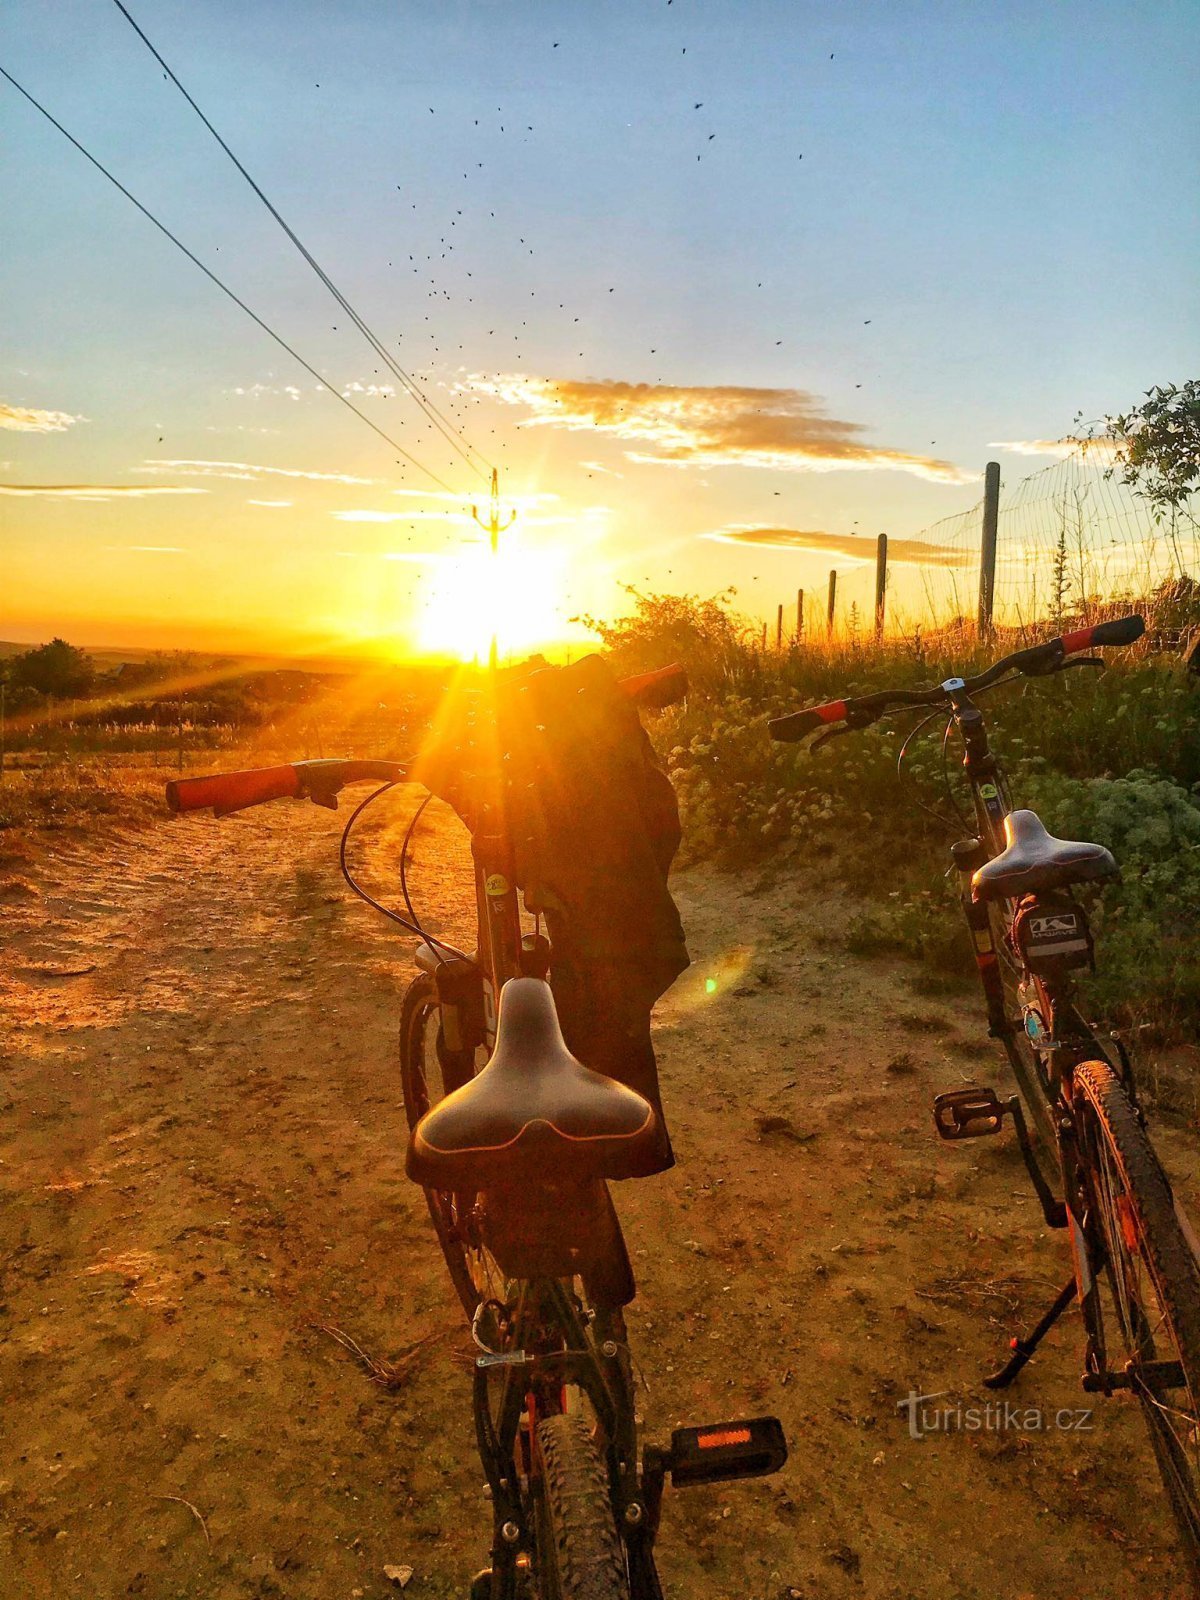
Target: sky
column 722, row 289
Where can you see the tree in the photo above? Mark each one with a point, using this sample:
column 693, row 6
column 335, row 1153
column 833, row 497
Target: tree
column 1158, row 445
column 57, row 669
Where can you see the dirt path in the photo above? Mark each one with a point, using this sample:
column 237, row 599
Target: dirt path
column 201, row 1146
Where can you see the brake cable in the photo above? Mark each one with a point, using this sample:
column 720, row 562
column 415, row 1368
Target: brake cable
column 386, row 911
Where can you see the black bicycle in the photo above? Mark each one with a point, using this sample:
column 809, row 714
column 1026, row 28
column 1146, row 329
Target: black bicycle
column 1031, row 938
column 514, row 1142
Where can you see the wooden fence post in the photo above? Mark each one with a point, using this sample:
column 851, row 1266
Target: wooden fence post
column 779, row 629
column 880, row 584
column 987, row 549
column 799, row 615
column 832, row 601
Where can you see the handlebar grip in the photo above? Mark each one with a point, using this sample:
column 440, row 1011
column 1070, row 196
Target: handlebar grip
column 655, row 690
column 1121, row 630
column 797, row 724
column 233, row 791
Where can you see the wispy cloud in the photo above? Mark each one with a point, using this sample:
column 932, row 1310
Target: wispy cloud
column 276, row 505
column 598, row 466
column 150, row 549
column 784, row 429
column 28, row 419
column 371, row 391
column 97, row 491
column 1054, row 447
column 860, row 547
column 255, row 390
column 417, row 557
column 243, row 471
column 459, row 518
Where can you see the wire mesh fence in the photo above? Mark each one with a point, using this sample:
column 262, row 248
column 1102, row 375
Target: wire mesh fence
column 1072, row 541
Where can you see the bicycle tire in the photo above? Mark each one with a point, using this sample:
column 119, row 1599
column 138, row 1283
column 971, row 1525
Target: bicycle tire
column 580, row 1554
column 1136, row 1215
column 1022, row 1058
column 418, row 1009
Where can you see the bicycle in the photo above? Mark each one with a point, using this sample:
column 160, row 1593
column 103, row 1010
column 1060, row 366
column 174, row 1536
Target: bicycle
column 1030, row 937
column 514, row 1142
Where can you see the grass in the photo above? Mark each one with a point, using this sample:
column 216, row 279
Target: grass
column 1113, row 756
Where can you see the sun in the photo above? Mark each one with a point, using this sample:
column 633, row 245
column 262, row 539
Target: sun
column 515, row 596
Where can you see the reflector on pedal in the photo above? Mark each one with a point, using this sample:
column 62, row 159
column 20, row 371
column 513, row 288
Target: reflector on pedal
column 748, row 1449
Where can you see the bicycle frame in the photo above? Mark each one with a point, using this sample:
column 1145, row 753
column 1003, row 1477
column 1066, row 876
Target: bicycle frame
column 547, row 1344
column 1062, row 1035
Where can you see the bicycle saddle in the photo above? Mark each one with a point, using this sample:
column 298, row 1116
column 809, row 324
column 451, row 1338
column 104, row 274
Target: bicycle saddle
column 1035, row 859
column 533, row 1111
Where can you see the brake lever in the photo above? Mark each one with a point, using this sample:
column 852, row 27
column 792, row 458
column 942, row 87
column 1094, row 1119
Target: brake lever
column 830, row 733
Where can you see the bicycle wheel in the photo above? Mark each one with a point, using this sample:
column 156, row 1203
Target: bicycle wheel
column 580, row 1555
column 473, row 1271
column 1026, row 1064
column 1155, row 1285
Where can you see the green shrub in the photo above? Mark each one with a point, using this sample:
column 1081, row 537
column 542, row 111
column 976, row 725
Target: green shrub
column 1145, row 924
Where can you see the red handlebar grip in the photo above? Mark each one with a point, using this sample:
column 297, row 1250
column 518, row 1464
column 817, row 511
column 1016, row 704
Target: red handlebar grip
column 657, row 689
column 1121, row 630
column 796, row 725
column 233, row 791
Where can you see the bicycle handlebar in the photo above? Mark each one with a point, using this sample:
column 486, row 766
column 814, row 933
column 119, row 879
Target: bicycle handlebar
column 320, row 781
column 1036, row 661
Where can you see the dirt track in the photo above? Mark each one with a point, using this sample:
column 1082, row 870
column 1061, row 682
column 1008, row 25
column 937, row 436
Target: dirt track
column 201, row 1145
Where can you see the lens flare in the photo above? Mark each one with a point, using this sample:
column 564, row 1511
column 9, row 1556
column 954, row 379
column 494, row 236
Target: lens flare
column 515, row 596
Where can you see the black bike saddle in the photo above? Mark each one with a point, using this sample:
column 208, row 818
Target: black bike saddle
column 534, row 1111
column 1035, row 859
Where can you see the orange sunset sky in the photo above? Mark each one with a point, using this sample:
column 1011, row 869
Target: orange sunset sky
column 722, row 290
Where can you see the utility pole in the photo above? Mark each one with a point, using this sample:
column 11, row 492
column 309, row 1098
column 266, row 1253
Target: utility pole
column 493, row 527
column 880, row 584
column 987, row 549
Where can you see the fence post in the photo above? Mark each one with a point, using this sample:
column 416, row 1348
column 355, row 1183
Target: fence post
column 880, row 584
column 832, row 601
column 987, row 549
column 779, row 629
column 764, row 638
column 799, row 615
column 179, row 723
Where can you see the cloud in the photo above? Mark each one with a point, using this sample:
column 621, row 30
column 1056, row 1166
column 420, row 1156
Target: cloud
column 278, row 505
column 372, row 391
column 243, row 471
column 151, row 549
column 1054, row 447
column 97, row 491
column 860, row 547
column 254, row 390
column 28, row 419
column 459, row 518
column 784, row 429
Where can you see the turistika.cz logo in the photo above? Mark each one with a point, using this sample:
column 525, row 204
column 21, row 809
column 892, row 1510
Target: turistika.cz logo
column 994, row 1416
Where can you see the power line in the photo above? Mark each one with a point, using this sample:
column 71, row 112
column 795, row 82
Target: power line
column 225, row 289
column 454, row 435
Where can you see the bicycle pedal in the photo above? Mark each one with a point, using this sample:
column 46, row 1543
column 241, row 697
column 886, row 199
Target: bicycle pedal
column 751, row 1448
column 970, row 1113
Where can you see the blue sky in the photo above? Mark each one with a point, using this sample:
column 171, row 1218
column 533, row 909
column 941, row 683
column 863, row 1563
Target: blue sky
column 944, row 225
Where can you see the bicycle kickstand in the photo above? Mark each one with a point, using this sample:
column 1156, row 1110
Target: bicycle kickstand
column 1022, row 1349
